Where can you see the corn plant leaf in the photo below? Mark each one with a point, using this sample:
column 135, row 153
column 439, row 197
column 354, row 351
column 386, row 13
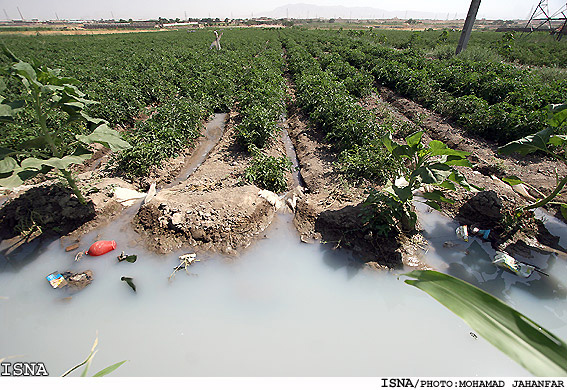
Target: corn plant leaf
column 107, row 137
column 526, row 342
column 563, row 209
column 109, row 369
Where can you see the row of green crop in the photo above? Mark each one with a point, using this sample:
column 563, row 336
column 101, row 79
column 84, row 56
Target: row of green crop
column 351, row 129
column 172, row 78
column 495, row 100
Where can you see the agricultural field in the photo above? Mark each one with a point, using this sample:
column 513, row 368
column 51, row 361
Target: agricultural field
column 346, row 130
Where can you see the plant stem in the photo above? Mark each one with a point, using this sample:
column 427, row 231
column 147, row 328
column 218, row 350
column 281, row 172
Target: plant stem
column 73, row 184
column 548, row 198
column 43, row 125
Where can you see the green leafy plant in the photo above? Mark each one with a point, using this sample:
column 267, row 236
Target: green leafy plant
column 431, row 165
column 549, row 142
column 87, row 364
column 47, row 93
column 268, row 172
column 529, row 344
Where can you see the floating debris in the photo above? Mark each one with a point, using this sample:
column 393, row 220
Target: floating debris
column 463, row 233
column 128, row 258
column 72, row 247
column 186, row 260
column 450, row 244
column 504, row 260
column 79, row 280
column 56, row 280
column 101, row 247
column 129, row 281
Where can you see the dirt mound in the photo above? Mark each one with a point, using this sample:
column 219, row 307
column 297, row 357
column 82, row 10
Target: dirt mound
column 44, row 210
column 211, row 210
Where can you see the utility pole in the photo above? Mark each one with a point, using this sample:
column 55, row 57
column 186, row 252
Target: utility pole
column 467, row 28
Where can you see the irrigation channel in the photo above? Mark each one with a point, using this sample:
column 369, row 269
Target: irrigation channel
column 282, row 308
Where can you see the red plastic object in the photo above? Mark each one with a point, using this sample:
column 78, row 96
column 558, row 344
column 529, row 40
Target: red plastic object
column 101, row 247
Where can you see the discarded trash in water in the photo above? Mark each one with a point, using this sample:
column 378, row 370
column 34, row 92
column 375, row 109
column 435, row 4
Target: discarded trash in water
column 185, row 261
column 128, row 258
column 151, row 193
column 506, row 261
column 129, row 281
column 463, row 232
column 72, row 247
column 79, row 280
column 101, row 247
column 126, row 196
column 473, row 335
column 450, row 244
column 479, row 232
column 56, row 280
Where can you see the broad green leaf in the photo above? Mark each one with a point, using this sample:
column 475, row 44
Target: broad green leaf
column 558, row 140
column 109, row 369
column 7, row 165
column 433, row 174
column 512, row 180
column 403, row 151
column 433, row 205
column 414, row 139
column 389, row 143
column 5, row 152
column 528, row 144
column 23, row 69
column 453, row 160
column 438, row 148
column 529, row 344
column 107, row 137
column 456, row 177
column 558, row 115
column 34, row 143
column 129, row 258
column 448, row 185
column 8, row 110
column 401, row 193
column 55, row 162
column 18, row 177
column 438, row 196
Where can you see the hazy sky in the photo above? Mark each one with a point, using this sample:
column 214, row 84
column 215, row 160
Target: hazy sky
column 143, row 9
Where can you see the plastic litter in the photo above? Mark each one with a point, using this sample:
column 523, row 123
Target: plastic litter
column 56, row 280
column 479, row 232
column 463, row 233
column 101, row 247
column 506, row 261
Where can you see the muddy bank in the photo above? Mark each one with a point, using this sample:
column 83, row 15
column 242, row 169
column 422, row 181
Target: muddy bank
column 329, row 208
column 213, row 209
column 494, row 206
